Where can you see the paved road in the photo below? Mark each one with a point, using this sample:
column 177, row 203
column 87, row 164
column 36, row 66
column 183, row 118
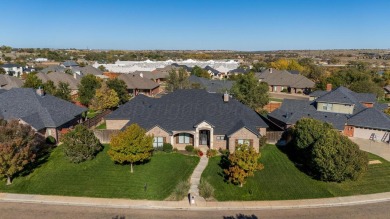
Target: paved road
column 288, row 96
column 27, row 211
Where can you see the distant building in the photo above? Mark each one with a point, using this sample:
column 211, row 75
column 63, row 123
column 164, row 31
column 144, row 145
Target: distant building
column 41, row 60
column 69, row 64
column 13, row 69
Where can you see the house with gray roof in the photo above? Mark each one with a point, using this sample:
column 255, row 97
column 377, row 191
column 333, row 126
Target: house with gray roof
column 13, row 69
column 69, row 63
column 192, row 117
column 7, row 82
column 47, row 114
column 137, row 84
column 282, row 80
column 53, row 68
column 212, row 86
column 353, row 114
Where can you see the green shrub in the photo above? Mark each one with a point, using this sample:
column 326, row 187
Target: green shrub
column 284, row 90
column 51, row 140
column 211, row 153
column 181, row 190
column 205, row 189
column 175, row 150
column 262, row 141
column 189, row 148
column 167, row 147
column 299, row 92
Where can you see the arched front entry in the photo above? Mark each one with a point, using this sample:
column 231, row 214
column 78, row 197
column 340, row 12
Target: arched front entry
column 204, row 137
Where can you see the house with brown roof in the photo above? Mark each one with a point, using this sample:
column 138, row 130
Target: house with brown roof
column 137, row 84
column 58, row 77
column 7, row 82
column 387, row 91
column 282, row 80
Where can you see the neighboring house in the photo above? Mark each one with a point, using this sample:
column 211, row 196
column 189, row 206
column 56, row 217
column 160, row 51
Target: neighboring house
column 58, row 77
column 90, row 70
column 186, row 67
column 47, row 114
column 212, row 86
column 282, row 80
column 387, row 91
column 41, row 60
column 192, row 117
column 353, row 114
column 137, row 84
column 239, row 70
column 214, row 73
column 13, row 69
column 7, row 82
column 53, row 68
column 69, row 64
column 27, row 69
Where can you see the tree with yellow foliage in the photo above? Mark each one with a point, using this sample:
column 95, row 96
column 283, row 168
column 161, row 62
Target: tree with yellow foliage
column 287, row 64
column 105, row 98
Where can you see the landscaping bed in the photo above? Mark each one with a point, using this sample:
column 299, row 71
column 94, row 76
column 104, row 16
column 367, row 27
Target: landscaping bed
column 100, row 177
column 282, row 180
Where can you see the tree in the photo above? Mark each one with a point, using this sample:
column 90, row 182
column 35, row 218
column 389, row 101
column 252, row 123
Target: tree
column 87, row 88
column 105, row 98
column 32, row 81
column 2, row 71
column 242, row 164
column 131, row 146
column 80, row 144
column 325, row 153
column 49, row 87
column 336, row 158
column 367, row 86
column 200, row 72
column 250, row 91
column 63, row 91
column 178, row 80
column 18, row 147
column 102, row 68
column 259, row 66
column 287, row 64
column 119, row 86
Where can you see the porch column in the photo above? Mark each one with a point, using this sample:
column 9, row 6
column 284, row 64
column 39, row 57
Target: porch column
column 173, row 140
column 211, row 138
column 196, row 137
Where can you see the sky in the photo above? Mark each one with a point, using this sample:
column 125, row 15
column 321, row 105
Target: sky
column 246, row 25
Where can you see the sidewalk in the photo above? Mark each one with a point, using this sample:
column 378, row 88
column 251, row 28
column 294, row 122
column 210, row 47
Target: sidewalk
column 375, row 147
column 184, row 205
column 195, row 179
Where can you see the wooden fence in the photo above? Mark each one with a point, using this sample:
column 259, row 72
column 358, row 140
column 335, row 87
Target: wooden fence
column 274, row 136
column 89, row 123
column 104, row 136
column 272, row 106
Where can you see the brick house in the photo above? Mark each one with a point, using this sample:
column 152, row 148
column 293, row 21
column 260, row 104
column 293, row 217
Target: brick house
column 192, row 117
column 46, row 114
column 137, row 84
column 353, row 114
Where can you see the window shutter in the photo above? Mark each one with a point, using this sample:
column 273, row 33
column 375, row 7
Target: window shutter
column 236, row 142
column 177, row 139
column 251, row 142
column 164, row 139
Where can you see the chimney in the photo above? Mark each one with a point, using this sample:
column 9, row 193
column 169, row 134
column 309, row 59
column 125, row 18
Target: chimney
column 141, row 75
column 328, row 87
column 74, row 75
column 40, row 92
column 226, row 97
column 270, row 70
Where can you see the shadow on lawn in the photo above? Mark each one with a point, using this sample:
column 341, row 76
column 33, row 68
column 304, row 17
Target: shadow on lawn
column 224, row 164
column 41, row 158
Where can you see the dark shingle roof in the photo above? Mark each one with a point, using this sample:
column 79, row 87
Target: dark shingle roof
column 344, row 95
column 7, row 82
column 213, row 70
column 137, row 82
column 38, row 111
column 10, row 65
column 70, row 63
column 240, row 70
column 371, row 118
column 213, row 86
column 318, row 93
column 183, row 109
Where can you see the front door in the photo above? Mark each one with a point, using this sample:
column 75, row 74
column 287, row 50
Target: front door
column 203, row 137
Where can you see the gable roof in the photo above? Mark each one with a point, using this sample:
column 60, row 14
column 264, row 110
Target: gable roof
column 284, row 78
column 58, row 77
column 137, row 82
column 90, row 70
column 240, row 70
column 7, row 82
column 11, row 65
column 371, row 118
column 53, row 68
column 213, row 70
column 183, row 109
column 387, row 88
column 213, row 86
column 38, row 111
column 346, row 96
column 70, row 63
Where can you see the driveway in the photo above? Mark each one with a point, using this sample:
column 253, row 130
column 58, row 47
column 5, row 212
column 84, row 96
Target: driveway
column 378, row 148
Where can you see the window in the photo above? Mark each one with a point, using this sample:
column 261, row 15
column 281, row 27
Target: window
column 158, row 142
column 327, row 106
column 184, row 138
column 244, row 141
column 220, row 137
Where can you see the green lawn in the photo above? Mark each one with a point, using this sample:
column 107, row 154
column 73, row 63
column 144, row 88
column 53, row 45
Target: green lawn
column 102, row 126
column 92, row 113
column 281, row 180
column 100, row 177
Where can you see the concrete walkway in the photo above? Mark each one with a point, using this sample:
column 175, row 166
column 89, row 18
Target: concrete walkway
column 184, row 205
column 375, row 147
column 195, row 179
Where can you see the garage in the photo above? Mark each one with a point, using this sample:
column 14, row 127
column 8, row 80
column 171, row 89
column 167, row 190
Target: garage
column 365, row 133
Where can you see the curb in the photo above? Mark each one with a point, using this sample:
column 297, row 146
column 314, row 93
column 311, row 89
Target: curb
column 201, row 206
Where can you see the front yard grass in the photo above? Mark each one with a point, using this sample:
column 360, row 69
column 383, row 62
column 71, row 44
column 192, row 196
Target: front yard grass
column 100, row 177
column 281, row 180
